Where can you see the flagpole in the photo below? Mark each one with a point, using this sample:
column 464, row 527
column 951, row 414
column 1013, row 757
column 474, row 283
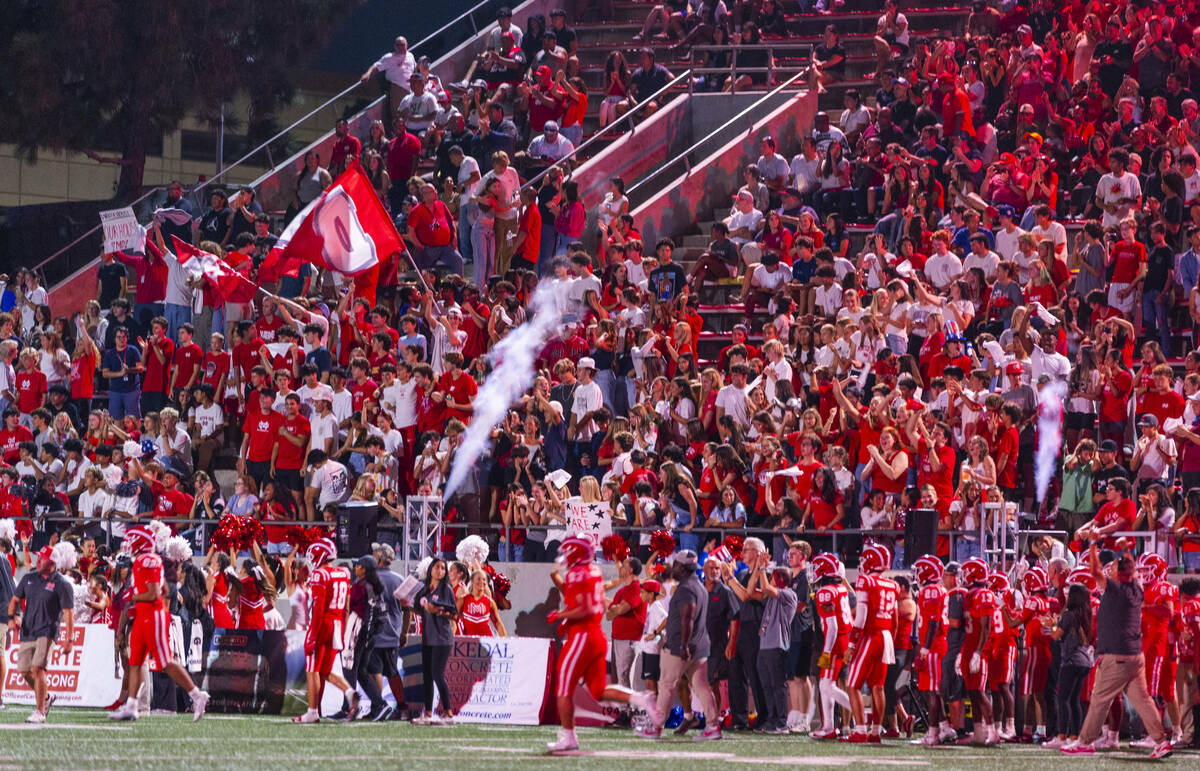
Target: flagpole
column 421, row 275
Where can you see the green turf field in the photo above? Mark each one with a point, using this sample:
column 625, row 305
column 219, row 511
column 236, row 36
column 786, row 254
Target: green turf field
column 86, row 739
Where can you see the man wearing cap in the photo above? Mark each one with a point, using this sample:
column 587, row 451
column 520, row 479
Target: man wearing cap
column 824, row 133
column 745, row 220
column 551, row 54
column 546, row 99
column 686, row 647
column 418, row 108
column 585, row 403
column 1153, row 455
column 47, row 597
column 1007, row 235
column 1120, row 663
column 548, row 147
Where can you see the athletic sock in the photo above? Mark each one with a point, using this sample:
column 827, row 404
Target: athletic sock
column 688, row 715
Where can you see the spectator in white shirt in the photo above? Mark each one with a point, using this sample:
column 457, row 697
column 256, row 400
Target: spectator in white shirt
column 1118, row 191
column 745, row 221
column 396, row 67
column 981, row 257
column 943, row 268
column 549, row 146
column 1006, row 236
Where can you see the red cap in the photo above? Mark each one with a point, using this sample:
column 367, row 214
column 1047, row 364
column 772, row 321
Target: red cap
column 945, row 77
column 46, row 552
column 543, row 71
column 652, row 586
column 992, row 212
column 1014, row 368
column 1008, row 159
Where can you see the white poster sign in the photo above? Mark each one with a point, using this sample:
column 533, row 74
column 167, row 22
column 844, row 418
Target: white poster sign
column 86, row 677
column 590, row 520
column 122, row 231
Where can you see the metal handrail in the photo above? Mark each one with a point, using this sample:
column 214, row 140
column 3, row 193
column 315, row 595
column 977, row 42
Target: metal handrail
column 255, row 151
column 603, row 129
column 683, row 155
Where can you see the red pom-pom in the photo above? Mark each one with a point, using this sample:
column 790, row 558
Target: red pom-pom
column 662, row 543
column 314, row 534
column 24, row 528
column 734, row 544
column 296, row 536
column 501, row 585
column 614, row 547
column 238, row 533
column 491, row 571
column 659, row 569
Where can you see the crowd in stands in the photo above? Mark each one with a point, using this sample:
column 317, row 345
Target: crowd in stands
column 1033, row 206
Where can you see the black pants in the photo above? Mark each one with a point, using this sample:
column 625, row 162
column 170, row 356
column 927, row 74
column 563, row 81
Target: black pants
column 363, row 653
column 772, row 673
column 903, row 659
column 433, row 666
column 1070, row 709
column 743, row 677
column 952, row 682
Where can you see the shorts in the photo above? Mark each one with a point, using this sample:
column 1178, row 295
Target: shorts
column 383, row 662
column 650, row 670
column 718, row 666
column 1001, row 665
column 901, row 48
column 975, row 681
column 929, row 677
column 583, row 658
column 1160, row 677
column 289, row 478
column 1081, row 421
column 150, row 635
column 868, row 667
column 34, row 653
column 321, row 660
column 799, row 659
column 1035, row 670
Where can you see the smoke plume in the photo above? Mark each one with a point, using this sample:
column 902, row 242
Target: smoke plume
column 513, row 371
column 1049, row 444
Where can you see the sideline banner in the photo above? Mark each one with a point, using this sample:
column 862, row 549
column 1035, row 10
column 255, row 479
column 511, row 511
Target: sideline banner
column 87, row 677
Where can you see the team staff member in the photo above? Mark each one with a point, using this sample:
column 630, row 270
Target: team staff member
column 48, row 598
column 742, row 649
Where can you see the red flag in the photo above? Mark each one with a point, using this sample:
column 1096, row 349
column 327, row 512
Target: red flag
column 345, row 229
column 231, row 286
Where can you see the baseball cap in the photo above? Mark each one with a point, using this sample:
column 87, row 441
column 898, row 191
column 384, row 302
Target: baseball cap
column 1014, row 368
column 1007, row 211
column 586, row 362
column 743, row 195
column 793, row 192
column 945, row 77
column 952, row 567
column 1008, row 159
column 1147, row 420
column 685, row 558
column 1026, row 108
column 1108, row 445
column 543, row 71
column 1032, row 134
column 46, row 553
column 652, row 586
column 1025, row 29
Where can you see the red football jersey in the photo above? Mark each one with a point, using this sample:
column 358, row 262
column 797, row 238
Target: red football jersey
column 148, row 569
column 329, row 590
column 932, row 606
column 980, row 603
column 1036, row 606
column 833, row 607
column 1160, row 594
column 881, row 596
column 584, row 585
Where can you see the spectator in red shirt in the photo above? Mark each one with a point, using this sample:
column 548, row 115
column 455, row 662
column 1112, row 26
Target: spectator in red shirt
column 151, row 290
column 1117, row 514
column 260, row 438
column 31, row 386
column 187, row 363
column 456, row 388
column 403, row 153
column 361, row 386
column 12, row 435
column 294, row 433
column 432, row 234
column 160, row 350
column 1006, row 450
column 345, row 147
column 529, row 231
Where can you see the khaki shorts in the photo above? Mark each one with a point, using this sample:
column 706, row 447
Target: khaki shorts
column 34, row 653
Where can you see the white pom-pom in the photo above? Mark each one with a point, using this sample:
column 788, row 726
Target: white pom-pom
column 64, row 556
column 178, row 549
column 423, row 568
column 131, row 449
column 161, row 534
column 472, row 549
column 8, row 529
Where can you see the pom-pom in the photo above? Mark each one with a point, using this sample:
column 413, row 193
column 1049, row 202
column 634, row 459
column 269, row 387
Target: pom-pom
column 238, row 533
column 161, row 534
column 179, row 549
column 8, row 530
column 662, row 543
column 64, row 556
column 24, row 529
column 500, row 587
column 472, row 550
column 659, row 569
column 734, row 544
column 614, row 548
column 423, row 568
column 296, row 536
column 131, row 449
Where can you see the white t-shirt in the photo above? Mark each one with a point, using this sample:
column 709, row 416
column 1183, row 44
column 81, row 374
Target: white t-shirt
column 733, row 400
column 180, row 444
column 333, row 481
column 751, row 220
column 343, row 405
column 208, row 418
column 987, row 263
column 93, row 505
column 1006, row 245
column 55, row 366
column 637, row 273
column 829, row 298
column 943, row 269
column 770, row 281
column 35, row 297
column 1056, row 233
column 806, row 174
column 1111, row 189
column 322, row 427
column 308, row 397
column 112, row 475
column 425, row 105
column 588, row 398
column 401, row 400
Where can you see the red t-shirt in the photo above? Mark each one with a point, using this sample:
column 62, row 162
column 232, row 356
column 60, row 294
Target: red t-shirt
column 263, row 433
column 1114, row 397
column 1008, row 445
column 1127, row 258
column 246, row 357
column 216, row 366
column 291, row 456
column 943, row 480
column 359, row 393
column 268, row 327
column 170, row 504
column 459, row 389
column 1124, row 512
column 401, row 152
column 432, row 224
column 31, row 390
column 9, row 441
column 157, row 372
column 530, row 223
column 824, row 512
column 628, row 626
column 429, row 412
column 1163, row 406
column 83, row 375
column 187, row 360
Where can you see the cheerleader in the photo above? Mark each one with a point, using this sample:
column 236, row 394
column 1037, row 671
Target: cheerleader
column 254, row 589
column 478, row 610
column 295, row 583
column 217, row 577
